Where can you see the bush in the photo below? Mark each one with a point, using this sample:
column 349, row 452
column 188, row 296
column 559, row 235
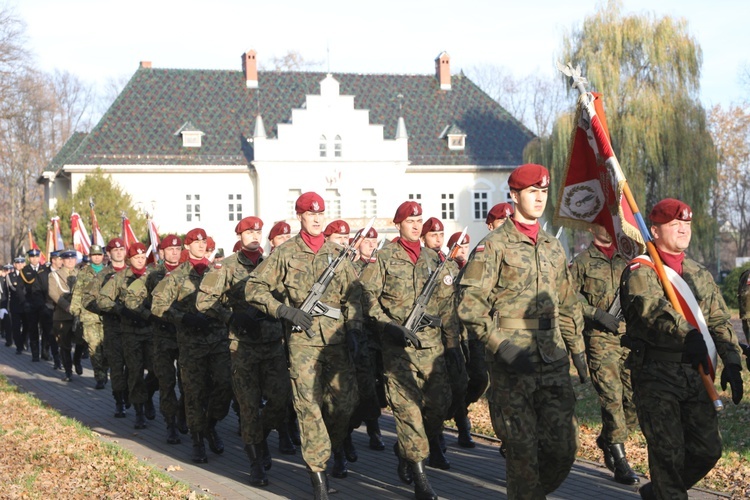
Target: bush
column 731, row 284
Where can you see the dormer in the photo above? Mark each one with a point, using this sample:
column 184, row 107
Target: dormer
column 455, row 136
column 191, row 136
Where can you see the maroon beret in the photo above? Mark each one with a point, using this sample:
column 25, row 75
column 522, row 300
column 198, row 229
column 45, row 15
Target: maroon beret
column 670, row 209
column 454, row 238
column 407, row 209
column 310, row 202
column 137, row 249
column 371, row 233
column 499, row 211
column 115, row 243
column 337, row 227
column 170, row 240
column 237, row 246
column 432, row 224
column 251, row 222
column 279, row 228
column 195, row 235
column 210, row 244
column 527, row 175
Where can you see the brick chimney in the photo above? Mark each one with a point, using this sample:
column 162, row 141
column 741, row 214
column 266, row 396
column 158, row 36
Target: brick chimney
column 250, row 68
column 443, row 70
column 146, row 64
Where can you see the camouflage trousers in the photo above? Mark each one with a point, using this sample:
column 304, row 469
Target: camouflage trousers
column 679, row 423
column 259, row 370
column 324, row 393
column 606, row 360
column 419, row 393
column 369, row 404
column 164, row 359
column 206, row 377
column 115, row 355
column 138, row 349
column 93, row 334
column 459, row 382
column 534, row 416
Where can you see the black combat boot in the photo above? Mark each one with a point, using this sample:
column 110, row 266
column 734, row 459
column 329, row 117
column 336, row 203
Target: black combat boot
column 464, row 430
column 320, row 485
column 119, row 404
column 404, row 469
column 266, row 454
column 340, row 469
column 199, row 449
column 422, row 488
column 172, row 436
column 140, row 419
column 77, row 353
column 647, row 491
column 286, row 447
column 67, row 363
column 214, row 441
column 257, row 473
column 441, row 440
column 437, row 457
column 149, row 410
column 100, row 384
column 349, row 450
column 376, row 439
column 623, row 473
column 608, row 460
column 182, row 425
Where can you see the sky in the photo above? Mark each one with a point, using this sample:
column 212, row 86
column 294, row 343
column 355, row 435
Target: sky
column 101, row 40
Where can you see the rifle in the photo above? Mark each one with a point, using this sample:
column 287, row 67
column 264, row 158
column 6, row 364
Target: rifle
column 373, row 257
column 615, row 308
column 312, row 304
column 418, row 319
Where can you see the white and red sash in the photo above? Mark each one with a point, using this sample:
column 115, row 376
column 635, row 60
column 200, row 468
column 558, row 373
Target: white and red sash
column 690, row 308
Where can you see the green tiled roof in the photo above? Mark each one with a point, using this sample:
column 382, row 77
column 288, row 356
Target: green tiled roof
column 60, row 159
column 140, row 126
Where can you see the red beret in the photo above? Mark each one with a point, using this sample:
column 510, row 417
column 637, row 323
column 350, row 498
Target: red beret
column 310, row 202
column 338, row 227
column 115, row 243
column 454, row 238
column 432, row 224
column 371, row 233
column 407, row 209
column 670, row 209
column 210, row 244
column 279, row 228
column 237, row 246
column 170, row 240
column 195, row 235
column 137, row 249
column 499, row 211
column 527, row 175
column 251, row 222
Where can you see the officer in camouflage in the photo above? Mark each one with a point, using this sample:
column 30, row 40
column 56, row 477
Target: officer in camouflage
column 517, row 298
column 596, row 275
column 259, row 366
column 676, row 415
column 324, row 385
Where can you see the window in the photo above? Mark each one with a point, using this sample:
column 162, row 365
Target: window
column 291, row 202
column 337, row 147
column 456, row 142
column 323, row 147
column 369, row 203
column 193, row 208
column 235, row 207
column 481, row 204
column 416, row 197
column 447, row 206
column 333, row 204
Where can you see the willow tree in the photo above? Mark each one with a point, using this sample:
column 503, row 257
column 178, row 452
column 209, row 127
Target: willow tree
column 648, row 71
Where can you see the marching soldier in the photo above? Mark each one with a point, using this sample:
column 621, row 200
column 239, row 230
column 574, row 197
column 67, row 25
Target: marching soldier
column 33, row 302
column 518, row 300
column 203, row 344
column 676, row 416
column 323, row 376
column 497, row 215
column 16, row 304
column 419, row 391
column 280, row 232
column 61, row 286
column 41, row 289
column 596, row 275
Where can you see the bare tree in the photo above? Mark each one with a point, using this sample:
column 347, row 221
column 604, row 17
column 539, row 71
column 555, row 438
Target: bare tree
column 291, row 61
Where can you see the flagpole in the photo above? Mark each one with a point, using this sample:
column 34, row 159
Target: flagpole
column 578, row 82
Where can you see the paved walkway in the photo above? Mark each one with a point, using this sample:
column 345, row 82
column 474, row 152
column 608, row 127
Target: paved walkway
column 478, row 473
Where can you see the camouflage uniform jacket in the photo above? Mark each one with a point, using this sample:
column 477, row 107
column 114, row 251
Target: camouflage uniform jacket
column 174, row 297
column 139, row 295
column 290, row 271
column 90, row 293
column 61, row 284
column 596, row 279
column 393, row 283
column 85, row 276
column 507, row 276
column 743, row 294
column 111, row 299
column 652, row 319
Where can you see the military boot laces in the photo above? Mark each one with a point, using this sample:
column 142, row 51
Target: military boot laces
column 172, row 436
column 349, row 450
column 404, row 471
column 286, row 447
column 422, row 488
column 340, row 469
column 376, row 439
column 119, row 404
column 215, row 443
column 623, row 473
column 140, row 418
column 437, row 456
column 257, row 472
column 608, row 460
column 199, row 449
column 320, row 486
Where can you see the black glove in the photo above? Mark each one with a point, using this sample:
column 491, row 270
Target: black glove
column 746, row 351
column 352, row 342
column 295, row 316
column 606, row 321
column 579, row 361
column 395, row 332
column 195, row 320
column 516, row 357
column 455, row 357
column 696, row 350
column 731, row 374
